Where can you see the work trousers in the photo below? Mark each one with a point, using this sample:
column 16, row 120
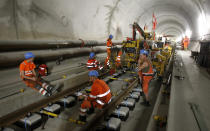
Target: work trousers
column 86, row 104
column 38, row 85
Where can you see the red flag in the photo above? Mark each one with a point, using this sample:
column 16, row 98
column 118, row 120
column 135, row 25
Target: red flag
column 154, row 21
column 145, row 27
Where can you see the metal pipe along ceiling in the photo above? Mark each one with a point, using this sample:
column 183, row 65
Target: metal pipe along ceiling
column 15, row 58
column 23, row 45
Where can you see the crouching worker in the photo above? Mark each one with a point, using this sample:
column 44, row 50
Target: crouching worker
column 31, row 79
column 92, row 63
column 99, row 96
column 145, row 74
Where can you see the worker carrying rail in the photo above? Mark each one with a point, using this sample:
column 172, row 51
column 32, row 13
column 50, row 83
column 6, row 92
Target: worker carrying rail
column 92, row 63
column 145, row 74
column 108, row 49
column 31, row 79
column 99, row 96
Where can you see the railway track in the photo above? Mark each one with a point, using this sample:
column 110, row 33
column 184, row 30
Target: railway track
column 18, row 114
column 121, row 91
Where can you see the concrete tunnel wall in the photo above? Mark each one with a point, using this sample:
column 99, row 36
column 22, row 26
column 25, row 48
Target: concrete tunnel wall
column 96, row 19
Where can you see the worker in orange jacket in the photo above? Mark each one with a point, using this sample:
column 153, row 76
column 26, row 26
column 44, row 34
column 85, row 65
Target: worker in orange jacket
column 108, row 49
column 186, row 42
column 92, row 63
column 99, row 96
column 31, row 79
column 118, row 59
column 145, row 73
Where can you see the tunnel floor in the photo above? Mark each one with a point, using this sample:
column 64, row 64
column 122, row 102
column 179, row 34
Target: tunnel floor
column 193, row 89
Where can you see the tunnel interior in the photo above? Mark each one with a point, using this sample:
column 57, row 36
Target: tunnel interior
column 62, row 33
column 95, row 20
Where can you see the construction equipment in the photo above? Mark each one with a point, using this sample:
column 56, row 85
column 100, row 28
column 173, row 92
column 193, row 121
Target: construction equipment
column 159, row 64
column 132, row 46
column 167, row 53
column 137, row 27
column 131, row 49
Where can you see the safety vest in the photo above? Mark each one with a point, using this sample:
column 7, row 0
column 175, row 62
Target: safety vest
column 100, row 92
column 186, row 40
column 93, row 64
column 109, row 44
column 118, row 59
column 148, row 71
column 27, row 68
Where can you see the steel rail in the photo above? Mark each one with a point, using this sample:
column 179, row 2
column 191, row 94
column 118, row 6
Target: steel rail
column 20, row 113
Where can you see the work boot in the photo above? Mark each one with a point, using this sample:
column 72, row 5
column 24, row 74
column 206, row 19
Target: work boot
column 50, row 89
column 82, row 118
column 48, row 94
column 145, row 103
column 54, row 89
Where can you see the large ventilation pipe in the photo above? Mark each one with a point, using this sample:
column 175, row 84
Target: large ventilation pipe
column 24, row 45
column 9, row 59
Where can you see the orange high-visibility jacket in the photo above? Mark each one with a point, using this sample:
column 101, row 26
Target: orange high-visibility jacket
column 186, row 41
column 93, row 64
column 100, row 92
column 144, row 73
column 118, row 59
column 109, row 43
column 27, row 68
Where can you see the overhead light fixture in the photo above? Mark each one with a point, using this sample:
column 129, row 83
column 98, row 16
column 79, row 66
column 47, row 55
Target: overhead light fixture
column 203, row 26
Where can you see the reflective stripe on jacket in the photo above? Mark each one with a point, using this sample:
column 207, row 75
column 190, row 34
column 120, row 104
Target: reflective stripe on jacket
column 109, row 44
column 92, row 64
column 27, row 68
column 100, row 92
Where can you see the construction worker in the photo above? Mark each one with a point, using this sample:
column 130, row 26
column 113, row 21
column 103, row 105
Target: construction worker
column 109, row 46
column 185, row 42
column 118, row 59
column 99, row 96
column 92, row 63
column 31, row 79
column 145, row 73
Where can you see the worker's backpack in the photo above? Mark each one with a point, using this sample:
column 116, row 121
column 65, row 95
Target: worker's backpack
column 43, row 70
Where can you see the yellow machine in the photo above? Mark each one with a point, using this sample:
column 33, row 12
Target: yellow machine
column 159, row 64
column 131, row 49
column 167, row 53
column 161, row 59
column 132, row 46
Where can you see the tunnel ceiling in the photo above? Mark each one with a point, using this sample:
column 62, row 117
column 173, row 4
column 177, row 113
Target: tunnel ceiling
column 96, row 19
